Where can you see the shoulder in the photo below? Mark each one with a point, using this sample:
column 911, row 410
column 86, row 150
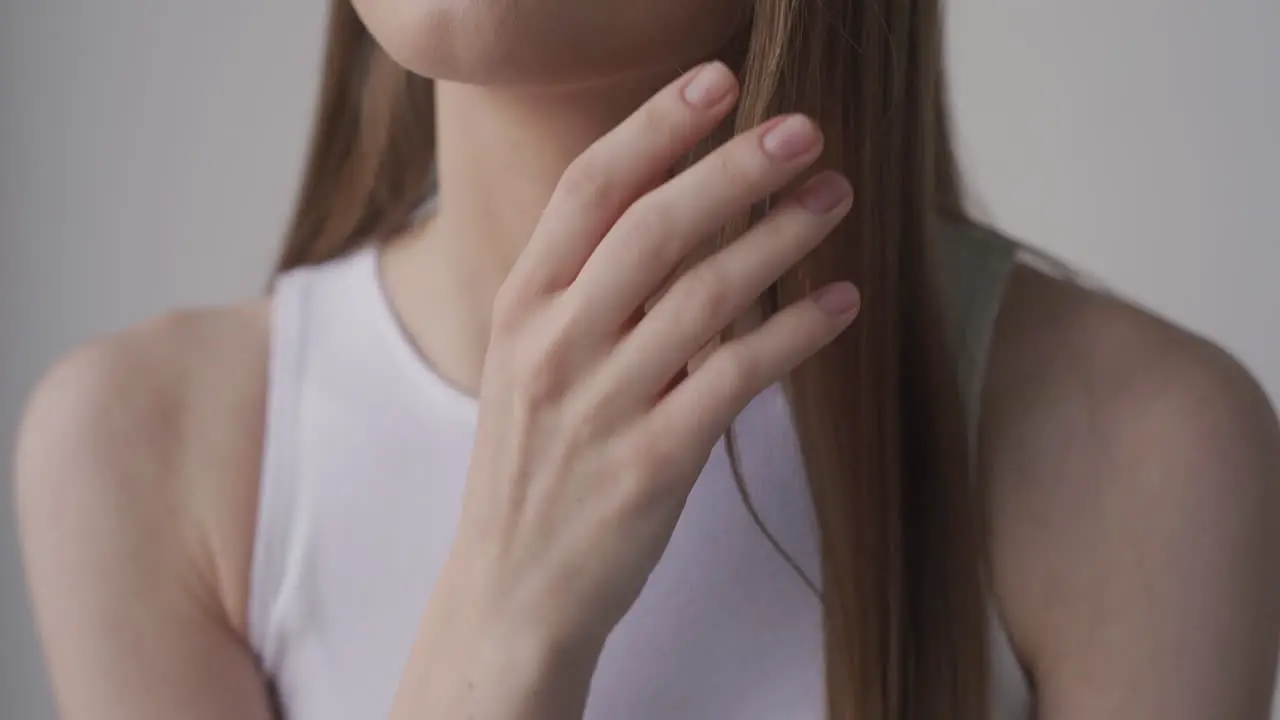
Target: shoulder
column 149, row 440
column 1067, row 358
column 1133, row 468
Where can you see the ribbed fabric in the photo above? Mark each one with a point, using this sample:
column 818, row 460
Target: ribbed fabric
column 363, row 471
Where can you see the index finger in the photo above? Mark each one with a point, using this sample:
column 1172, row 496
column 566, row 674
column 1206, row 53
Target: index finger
column 618, row 169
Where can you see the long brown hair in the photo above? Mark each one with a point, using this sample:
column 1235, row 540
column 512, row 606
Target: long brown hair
column 879, row 412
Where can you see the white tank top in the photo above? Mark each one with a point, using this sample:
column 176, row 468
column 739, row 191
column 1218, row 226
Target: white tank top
column 363, row 470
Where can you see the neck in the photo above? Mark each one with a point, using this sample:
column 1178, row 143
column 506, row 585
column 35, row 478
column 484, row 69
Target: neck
column 499, row 154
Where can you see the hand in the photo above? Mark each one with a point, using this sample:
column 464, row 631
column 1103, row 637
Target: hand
column 591, row 429
column 585, row 449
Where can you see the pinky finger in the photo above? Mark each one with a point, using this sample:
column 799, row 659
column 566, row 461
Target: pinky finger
column 706, row 402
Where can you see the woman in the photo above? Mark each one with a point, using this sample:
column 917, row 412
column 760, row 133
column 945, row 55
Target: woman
column 448, row 469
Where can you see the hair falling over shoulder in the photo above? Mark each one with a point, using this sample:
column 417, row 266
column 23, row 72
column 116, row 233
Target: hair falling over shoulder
column 879, row 416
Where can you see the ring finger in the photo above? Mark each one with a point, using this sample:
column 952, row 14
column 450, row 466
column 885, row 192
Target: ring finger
column 707, row 298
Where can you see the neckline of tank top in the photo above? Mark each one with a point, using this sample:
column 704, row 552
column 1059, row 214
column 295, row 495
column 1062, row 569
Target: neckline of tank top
column 415, row 364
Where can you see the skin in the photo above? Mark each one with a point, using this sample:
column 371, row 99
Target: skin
column 1132, row 465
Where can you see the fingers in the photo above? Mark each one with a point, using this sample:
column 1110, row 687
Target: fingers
column 619, row 168
column 655, row 233
column 704, row 405
column 710, row 296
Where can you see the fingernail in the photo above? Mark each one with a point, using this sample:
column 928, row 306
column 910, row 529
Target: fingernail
column 838, row 300
column 709, row 85
column 824, row 193
column 792, row 138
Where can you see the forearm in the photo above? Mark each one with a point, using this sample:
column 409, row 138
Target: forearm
column 468, row 664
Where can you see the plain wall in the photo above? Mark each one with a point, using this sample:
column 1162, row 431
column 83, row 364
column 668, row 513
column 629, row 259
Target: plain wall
column 149, row 149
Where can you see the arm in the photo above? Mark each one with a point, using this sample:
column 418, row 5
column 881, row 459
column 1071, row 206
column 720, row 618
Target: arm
column 136, row 595
column 1138, row 519
column 126, row 590
column 583, row 383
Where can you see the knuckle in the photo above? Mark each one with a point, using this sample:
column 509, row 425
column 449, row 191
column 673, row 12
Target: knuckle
column 507, row 309
column 664, row 120
column 592, row 410
column 582, row 429
column 645, row 222
column 574, row 311
column 653, row 116
column 737, row 369
column 542, row 373
column 709, row 294
column 739, row 166
column 647, row 459
column 585, row 182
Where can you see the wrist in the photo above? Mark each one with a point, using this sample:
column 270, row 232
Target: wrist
column 469, row 594
column 485, row 654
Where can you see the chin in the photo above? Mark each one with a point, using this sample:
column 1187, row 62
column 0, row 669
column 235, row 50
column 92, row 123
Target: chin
column 547, row 42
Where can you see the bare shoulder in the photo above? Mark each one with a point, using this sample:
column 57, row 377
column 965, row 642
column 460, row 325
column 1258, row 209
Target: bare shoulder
column 1135, row 475
column 155, row 431
column 1066, row 357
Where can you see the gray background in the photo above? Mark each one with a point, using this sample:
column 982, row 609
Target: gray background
column 149, row 149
